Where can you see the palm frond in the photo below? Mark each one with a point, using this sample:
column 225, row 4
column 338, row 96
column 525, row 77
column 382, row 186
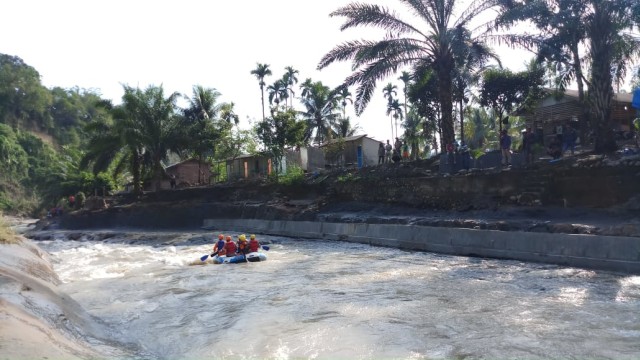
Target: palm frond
column 358, row 14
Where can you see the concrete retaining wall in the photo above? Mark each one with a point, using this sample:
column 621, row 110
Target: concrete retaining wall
column 614, row 253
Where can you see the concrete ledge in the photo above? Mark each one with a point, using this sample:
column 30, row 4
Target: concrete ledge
column 615, row 253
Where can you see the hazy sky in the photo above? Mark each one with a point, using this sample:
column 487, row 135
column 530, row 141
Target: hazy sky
column 103, row 44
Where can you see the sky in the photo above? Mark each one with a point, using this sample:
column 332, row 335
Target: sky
column 101, row 45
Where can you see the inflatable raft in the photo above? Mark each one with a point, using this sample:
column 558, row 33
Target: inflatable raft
column 250, row 257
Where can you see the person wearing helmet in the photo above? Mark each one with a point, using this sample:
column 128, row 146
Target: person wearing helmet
column 243, row 247
column 254, row 245
column 219, row 245
column 230, row 247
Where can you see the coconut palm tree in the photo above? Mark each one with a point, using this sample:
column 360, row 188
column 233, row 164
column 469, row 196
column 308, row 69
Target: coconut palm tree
column 306, row 88
column 320, row 113
column 228, row 114
column 428, row 42
column 261, row 71
column 343, row 128
column 201, row 112
column 290, row 79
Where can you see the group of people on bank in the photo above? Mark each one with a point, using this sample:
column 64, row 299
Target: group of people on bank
column 227, row 247
column 387, row 153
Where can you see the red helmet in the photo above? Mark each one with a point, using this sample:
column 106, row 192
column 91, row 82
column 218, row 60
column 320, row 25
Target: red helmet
column 228, row 238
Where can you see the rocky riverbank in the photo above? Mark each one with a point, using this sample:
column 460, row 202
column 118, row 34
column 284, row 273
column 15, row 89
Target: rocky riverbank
column 38, row 320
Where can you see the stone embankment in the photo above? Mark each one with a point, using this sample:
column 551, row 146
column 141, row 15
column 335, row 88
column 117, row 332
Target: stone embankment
column 614, row 253
column 562, row 212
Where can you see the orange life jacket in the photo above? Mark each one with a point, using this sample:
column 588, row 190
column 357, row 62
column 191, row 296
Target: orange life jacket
column 230, row 247
column 254, row 245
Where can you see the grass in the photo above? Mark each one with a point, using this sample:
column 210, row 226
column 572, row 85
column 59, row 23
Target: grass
column 7, row 236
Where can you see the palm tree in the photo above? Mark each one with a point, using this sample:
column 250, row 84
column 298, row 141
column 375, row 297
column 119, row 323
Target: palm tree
column 261, row 71
column 114, row 142
column 159, row 125
column 342, row 128
column 306, row 88
column 405, row 78
column 290, row 79
column 472, row 59
column 277, row 92
column 227, row 113
column 394, row 110
column 389, row 92
column 145, row 126
column 602, row 27
column 611, row 47
column 200, row 114
column 406, row 44
column 320, row 105
column 202, row 105
column 344, row 95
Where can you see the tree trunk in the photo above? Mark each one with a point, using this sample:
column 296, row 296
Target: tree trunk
column 135, row 170
column 601, row 90
column 446, row 103
column 262, row 97
column 461, row 119
column 583, row 121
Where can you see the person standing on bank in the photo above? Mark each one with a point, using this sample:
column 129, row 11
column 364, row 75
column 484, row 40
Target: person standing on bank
column 527, row 146
column 387, row 152
column 505, row 148
column 381, row 152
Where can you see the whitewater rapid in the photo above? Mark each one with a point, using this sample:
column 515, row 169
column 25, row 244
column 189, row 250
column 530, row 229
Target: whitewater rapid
column 324, row 299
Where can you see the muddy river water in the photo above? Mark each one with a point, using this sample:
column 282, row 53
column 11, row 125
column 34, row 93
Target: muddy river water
column 323, row 299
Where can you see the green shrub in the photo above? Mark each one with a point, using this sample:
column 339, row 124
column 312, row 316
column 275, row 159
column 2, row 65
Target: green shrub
column 80, row 199
column 294, row 175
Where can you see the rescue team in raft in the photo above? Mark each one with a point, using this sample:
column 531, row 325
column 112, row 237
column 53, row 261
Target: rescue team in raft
column 231, row 249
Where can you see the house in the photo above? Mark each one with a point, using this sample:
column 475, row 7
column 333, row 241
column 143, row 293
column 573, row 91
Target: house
column 309, row 159
column 344, row 151
column 248, row 166
column 190, row 172
column 552, row 112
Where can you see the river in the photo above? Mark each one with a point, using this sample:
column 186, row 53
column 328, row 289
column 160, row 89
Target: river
column 324, row 299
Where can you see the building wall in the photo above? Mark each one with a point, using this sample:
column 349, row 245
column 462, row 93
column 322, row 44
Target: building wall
column 186, row 174
column 248, row 167
column 370, row 151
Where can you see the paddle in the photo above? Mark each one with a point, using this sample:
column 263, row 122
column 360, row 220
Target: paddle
column 203, row 258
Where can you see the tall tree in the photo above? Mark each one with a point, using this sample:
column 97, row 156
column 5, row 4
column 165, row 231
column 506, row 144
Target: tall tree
column 394, row 110
column 200, row 114
column 146, row 126
column 602, row 27
column 405, row 78
column 261, row 71
column 472, row 57
column 277, row 92
column 389, row 91
column 280, row 130
column 503, row 91
column 344, row 95
column 405, row 44
column 290, row 79
column 320, row 105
